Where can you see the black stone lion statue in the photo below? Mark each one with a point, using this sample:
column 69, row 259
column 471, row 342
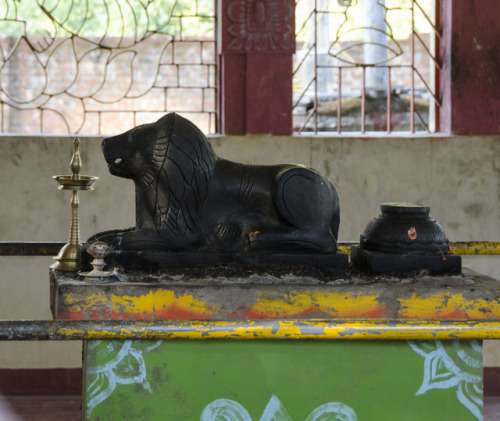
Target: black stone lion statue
column 188, row 199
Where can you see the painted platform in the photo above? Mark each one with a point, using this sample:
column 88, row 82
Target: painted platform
column 283, row 381
column 264, row 377
column 228, row 296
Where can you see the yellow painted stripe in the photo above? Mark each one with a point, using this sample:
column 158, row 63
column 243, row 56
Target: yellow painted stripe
column 345, row 246
column 250, row 330
column 475, row 248
column 318, row 330
column 449, row 305
column 161, row 304
column 463, row 248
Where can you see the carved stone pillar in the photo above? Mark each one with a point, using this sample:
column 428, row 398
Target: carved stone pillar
column 256, row 46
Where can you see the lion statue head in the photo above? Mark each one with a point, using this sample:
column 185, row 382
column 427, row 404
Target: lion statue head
column 171, row 163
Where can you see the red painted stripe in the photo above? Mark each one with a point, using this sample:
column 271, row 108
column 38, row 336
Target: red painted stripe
column 68, row 381
column 491, row 381
column 40, row 381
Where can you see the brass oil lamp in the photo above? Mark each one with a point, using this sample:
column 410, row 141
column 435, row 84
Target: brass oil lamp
column 68, row 258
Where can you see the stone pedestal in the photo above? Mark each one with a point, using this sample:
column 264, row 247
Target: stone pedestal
column 386, row 378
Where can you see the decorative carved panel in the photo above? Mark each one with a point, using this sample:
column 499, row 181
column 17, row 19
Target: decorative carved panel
column 258, row 26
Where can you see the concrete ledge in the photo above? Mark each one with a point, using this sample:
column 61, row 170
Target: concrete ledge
column 212, row 294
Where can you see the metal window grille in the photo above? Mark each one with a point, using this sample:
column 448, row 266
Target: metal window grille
column 104, row 66
column 367, row 65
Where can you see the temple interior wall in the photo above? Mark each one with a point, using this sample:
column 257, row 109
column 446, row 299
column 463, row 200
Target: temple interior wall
column 457, row 176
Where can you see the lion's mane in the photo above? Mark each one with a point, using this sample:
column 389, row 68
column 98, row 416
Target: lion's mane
column 178, row 175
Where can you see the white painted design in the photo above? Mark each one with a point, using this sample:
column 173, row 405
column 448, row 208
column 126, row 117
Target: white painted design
column 229, row 410
column 336, row 410
column 458, row 366
column 123, row 364
column 275, row 411
column 225, row 410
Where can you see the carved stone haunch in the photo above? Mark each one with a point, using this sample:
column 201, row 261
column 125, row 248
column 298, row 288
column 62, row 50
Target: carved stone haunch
column 188, row 199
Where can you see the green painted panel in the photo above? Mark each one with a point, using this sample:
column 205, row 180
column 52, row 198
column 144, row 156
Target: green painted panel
column 271, row 380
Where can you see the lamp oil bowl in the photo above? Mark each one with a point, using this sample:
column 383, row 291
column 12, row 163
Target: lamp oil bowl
column 98, row 250
column 404, row 238
column 68, row 258
column 83, row 182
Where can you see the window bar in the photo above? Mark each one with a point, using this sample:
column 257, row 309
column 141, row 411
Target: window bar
column 301, row 129
column 307, row 120
column 434, row 97
column 305, row 22
column 389, row 102
column 363, row 101
column 433, row 25
column 297, row 68
column 217, row 69
column 434, row 59
column 412, row 95
column 339, row 102
column 316, row 66
column 217, row 39
column 303, row 59
column 422, row 120
column 438, row 54
column 303, row 93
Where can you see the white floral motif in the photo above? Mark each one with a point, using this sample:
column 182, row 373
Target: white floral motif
column 229, row 410
column 457, row 366
column 123, row 364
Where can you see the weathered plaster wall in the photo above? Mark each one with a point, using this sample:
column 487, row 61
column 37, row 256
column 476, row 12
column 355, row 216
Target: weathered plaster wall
column 458, row 177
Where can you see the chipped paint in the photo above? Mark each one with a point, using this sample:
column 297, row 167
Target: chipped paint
column 165, row 304
column 155, row 304
column 250, row 330
column 475, row 248
column 447, row 306
column 466, row 297
column 292, row 304
column 307, row 303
